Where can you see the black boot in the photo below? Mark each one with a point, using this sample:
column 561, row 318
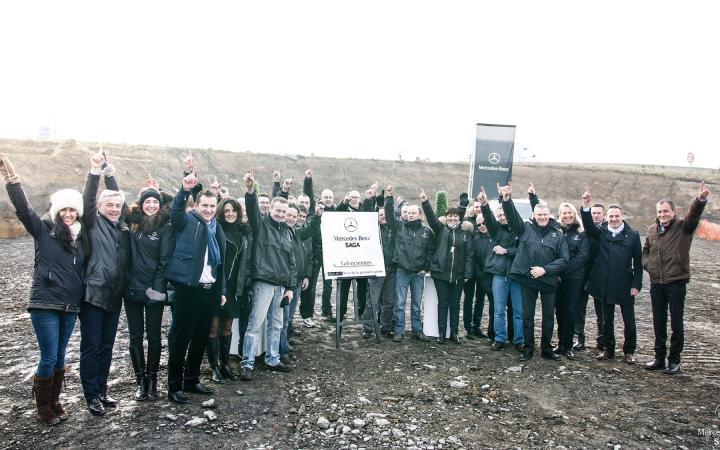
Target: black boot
column 225, row 369
column 153, row 365
column 137, row 357
column 212, row 354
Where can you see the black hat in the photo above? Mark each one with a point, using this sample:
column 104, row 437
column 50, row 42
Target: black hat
column 147, row 193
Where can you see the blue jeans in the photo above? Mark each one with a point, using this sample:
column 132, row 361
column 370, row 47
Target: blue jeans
column 97, row 337
column 500, row 288
column 288, row 314
column 416, row 282
column 266, row 304
column 52, row 330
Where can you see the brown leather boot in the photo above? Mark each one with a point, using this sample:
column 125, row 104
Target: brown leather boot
column 42, row 388
column 58, row 381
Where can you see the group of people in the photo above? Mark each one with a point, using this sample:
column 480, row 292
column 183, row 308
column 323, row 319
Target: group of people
column 214, row 258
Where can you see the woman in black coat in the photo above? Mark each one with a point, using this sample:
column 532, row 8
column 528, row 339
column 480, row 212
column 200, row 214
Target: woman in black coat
column 237, row 270
column 151, row 246
column 616, row 275
column 61, row 251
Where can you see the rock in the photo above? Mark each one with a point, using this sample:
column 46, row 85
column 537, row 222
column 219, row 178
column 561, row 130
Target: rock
column 364, row 400
column 196, row 421
column 458, row 384
column 134, row 433
column 454, row 370
column 239, row 392
column 358, row 423
column 397, row 433
column 376, row 415
column 346, row 429
column 211, row 416
column 429, row 367
column 514, row 369
column 484, row 400
column 617, row 447
column 381, row 422
column 209, row 403
column 323, row 423
column 172, row 417
column 485, row 387
column 412, row 428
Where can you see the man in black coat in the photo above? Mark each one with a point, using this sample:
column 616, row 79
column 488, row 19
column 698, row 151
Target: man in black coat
column 616, row 275
column 542, row 255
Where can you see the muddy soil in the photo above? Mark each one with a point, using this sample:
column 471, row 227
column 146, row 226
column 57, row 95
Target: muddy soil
column 390, row 395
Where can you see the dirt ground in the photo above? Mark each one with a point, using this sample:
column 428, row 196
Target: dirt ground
column 390, row 395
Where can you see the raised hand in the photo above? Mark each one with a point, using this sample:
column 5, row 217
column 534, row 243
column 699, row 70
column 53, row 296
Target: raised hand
column 389, row 190
column 215, row 186
column 151, row 183
column 423, row 198
column 531, row 189
column 189, row 182
column 97, row 160
column 704, row 192
column 189, row 162
column 482, row 196
column 276, row 176
column 505, row 191
column 308, row 173
column 586, row 199
column 249, row 178
column 7, row 169
column 319, row 208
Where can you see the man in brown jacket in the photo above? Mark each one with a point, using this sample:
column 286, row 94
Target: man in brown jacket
column 666, row 258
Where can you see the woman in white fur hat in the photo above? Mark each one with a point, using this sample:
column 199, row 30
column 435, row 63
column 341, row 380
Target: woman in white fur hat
column 61, row 251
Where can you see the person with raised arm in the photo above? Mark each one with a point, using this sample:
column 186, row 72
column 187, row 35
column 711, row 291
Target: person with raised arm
column 666, row 258
column 107, row 276
column 62, row 247
column 151, row 246
column 572, row 279
column 196, row 271
column 616, row 275
column 451, row 265
column 498, row 263
column 274, row 274
column 542, row 255
column 414, row 246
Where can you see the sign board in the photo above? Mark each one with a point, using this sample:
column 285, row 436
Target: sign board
column 430, row 311
column 351, row 245
column 493, row 158
column 690, row 157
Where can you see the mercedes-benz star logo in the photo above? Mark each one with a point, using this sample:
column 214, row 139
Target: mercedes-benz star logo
column 494, row 158
column 351, row 224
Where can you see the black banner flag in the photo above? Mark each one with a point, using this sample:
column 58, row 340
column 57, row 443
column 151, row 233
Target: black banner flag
column 492, row 162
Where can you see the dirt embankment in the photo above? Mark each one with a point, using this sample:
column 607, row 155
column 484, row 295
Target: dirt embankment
column 48, row 166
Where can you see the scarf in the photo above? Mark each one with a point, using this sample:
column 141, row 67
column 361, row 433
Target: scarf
column 75, row 230
column 213, row 247
column 616, row 231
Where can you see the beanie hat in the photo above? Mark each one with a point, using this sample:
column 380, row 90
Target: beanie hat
column 147, row 193
column 66, row 198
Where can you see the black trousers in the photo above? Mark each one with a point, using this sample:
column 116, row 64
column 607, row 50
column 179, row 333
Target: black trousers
column 245, row 310
column 327, row 296
column 568, row 297
column 662, row 297
column 448, row 302
column 582, row 313
column 194, row 307
column 361, row 293
column 547, row 299
column 474, row 302
column 307, row 297
column 145, row 319
column 628, row 316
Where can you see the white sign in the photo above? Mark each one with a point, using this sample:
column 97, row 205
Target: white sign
column 430, row 310
column 351, row 245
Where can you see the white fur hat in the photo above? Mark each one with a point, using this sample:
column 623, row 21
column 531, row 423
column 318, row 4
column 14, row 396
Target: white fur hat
column 66, row 198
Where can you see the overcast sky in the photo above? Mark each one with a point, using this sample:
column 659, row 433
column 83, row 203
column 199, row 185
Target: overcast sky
column 633, row 82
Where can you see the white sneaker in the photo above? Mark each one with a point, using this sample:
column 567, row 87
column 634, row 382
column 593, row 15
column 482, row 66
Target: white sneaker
column 309, row 322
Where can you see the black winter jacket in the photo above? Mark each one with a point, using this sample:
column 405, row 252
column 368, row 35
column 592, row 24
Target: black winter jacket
column 503, row 236
column 414, row 243
column 151, row 255
column 539, row 246
column 108, row 269
column 238, row 256
column 58, row 278
column 578, row 251
column 452, row 260
column 482, row 244
column 303, row 239
column 273, row 256
column 618, row 265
